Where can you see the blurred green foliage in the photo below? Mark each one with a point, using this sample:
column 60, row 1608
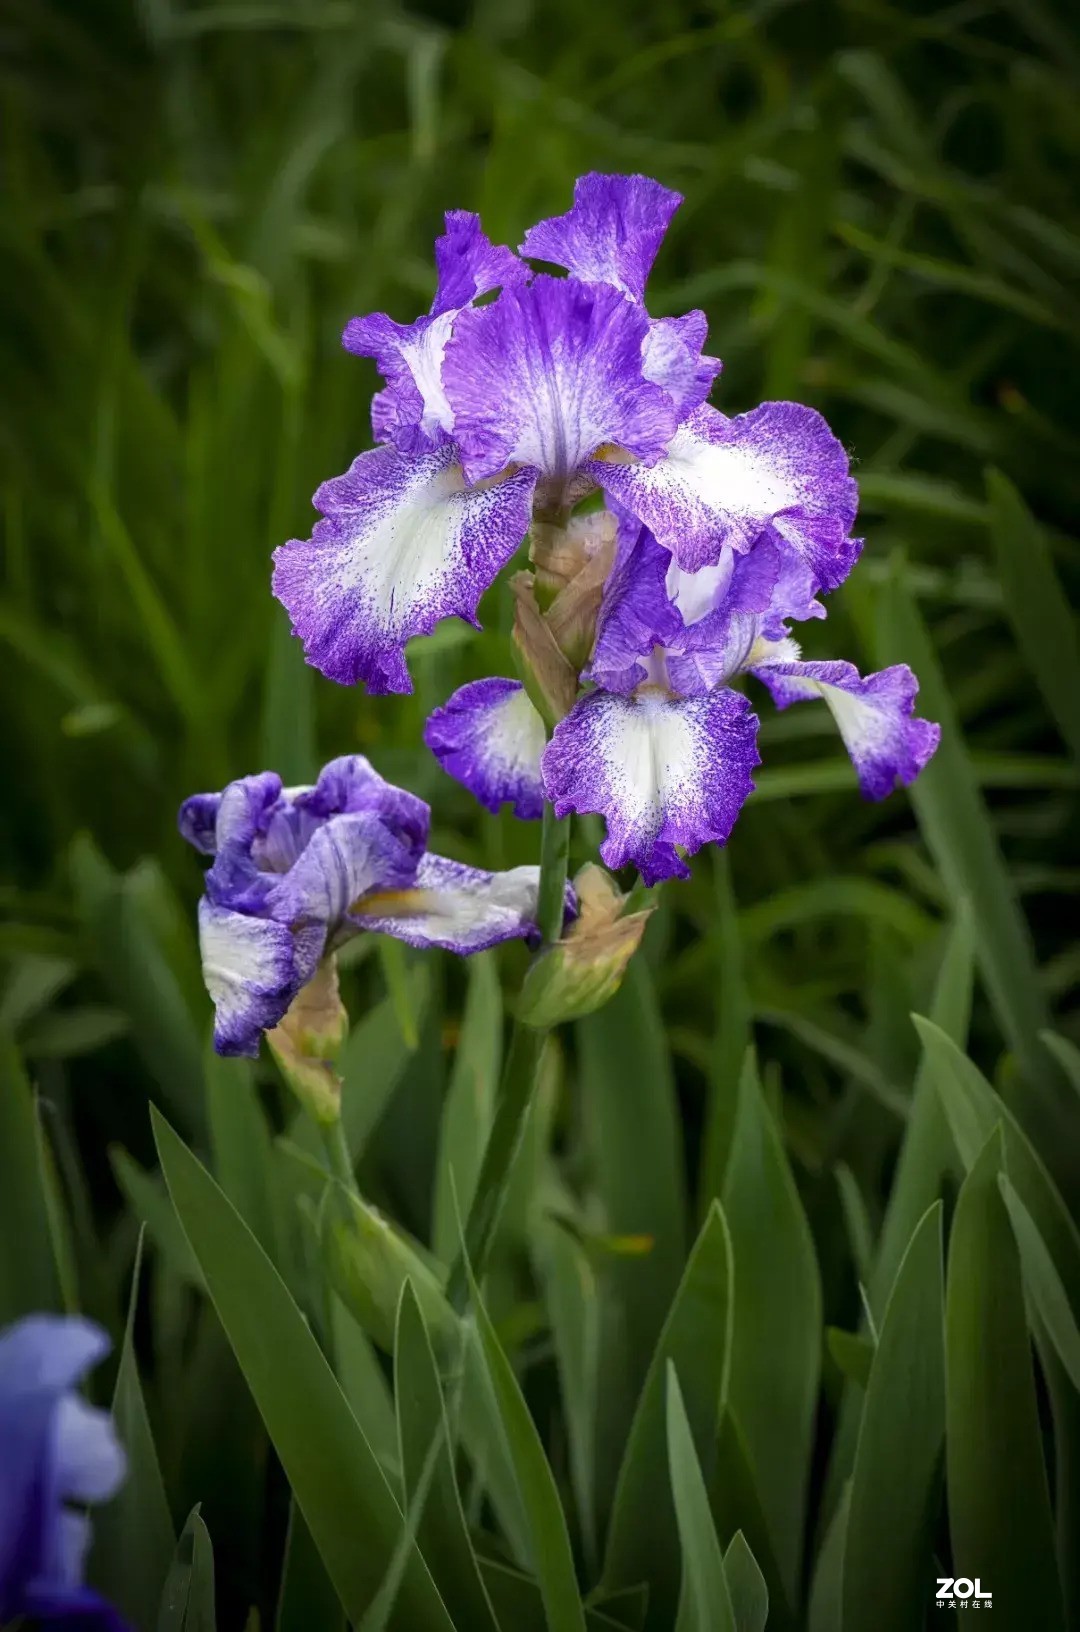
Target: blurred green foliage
column 881, row 219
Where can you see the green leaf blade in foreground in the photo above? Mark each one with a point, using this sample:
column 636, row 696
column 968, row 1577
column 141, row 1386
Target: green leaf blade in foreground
column 746, row 1586
column 704, row 1600
column 28, row 1274
column 776, row 1322
column 134, row 1537
column 643, row 1538
column 1037, row 606
column 552, row 1557
column 1043, row 1282
column 469, row 1103
column 999, row 1502
column 888, row 1571
column 187, row 1603
column 332, row 1470
column 441, row 1531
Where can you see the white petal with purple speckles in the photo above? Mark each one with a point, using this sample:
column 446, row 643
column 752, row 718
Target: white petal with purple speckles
column 875, row 717
column 249, row 967
column 612, row 232
column 403, row 544
column 459, row 908
column 726, row 482
column 547, row 374
column 490, row 738
column 662, row 772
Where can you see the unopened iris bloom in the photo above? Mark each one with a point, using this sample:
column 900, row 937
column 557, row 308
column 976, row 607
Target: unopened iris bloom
column 298, row 871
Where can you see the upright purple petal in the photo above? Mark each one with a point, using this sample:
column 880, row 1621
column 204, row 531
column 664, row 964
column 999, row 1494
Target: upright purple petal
column 674, row 358
column 636, row 615
column 489, row 737
column 727, row 482
column 403, row 543
column 549, row 373
column 350, row 785
column 469, row 264
column 662, row 771
column 876, row 717
column 612, row 233
column 458, row 908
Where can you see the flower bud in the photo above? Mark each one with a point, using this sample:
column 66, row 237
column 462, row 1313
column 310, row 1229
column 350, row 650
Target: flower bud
column 369, row 1261
column 308, row 1040
column 583, row 970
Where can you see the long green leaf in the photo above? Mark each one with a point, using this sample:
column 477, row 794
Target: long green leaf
column 307, row 1601
column 423, row 1431
column 1037, row 605
column 187, row 1602
column 1043, row 1283
column 776, row 1331
column 552, row 1557
column 642, row 1541
column 999, row 1503
column 958, row 830
column 134, row 1537
column 888, row 1571
column 28, row 1271
column 746, row 1586
column 704, row 1601
column 470, row 1098
column 334, row 1474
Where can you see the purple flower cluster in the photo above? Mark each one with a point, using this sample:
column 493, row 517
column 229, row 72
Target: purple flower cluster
column 297, row 871
column 57, row 1455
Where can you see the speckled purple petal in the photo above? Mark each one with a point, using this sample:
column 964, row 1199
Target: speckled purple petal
column 403, row 543
column 461, row 909
column 723, row 609
column 490, row 737
column 662, row 772
column 345, row 859
column 673, row 358
column 876, row 717
column 727, row 482
column 636, row 614
column 612, row 233
column 244, row 811
column 249, row 966
column 469, row 264
column 350, row 785
column 547, row 374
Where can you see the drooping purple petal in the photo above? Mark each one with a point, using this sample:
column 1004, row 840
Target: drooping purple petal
column 403, row 543
column 250, row 969
column 612, row 232
column 662, row 771
column 549, row 373
column 490, row 737
column 727, row 482
column 875, row 716
column 344, row 859
column 458, row 908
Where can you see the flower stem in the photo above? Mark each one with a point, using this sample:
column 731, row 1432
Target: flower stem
column 337, row 1154
column 519, row 1078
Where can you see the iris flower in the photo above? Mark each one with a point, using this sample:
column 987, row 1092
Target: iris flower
column 298, row 871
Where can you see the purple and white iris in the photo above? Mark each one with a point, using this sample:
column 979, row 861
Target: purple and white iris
column 499, row 414
column 57, row 1456
column 298, row 871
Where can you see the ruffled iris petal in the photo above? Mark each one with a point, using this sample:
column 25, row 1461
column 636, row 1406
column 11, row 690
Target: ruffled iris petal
column 636, row 615
column 662, row 771
column 412, row 412
column 458, row 908
column 489, row 737
column 403, row 544
column 673, row 358
column 612, row 232
column 547, row 374
column 727, row 482
column 875, row 716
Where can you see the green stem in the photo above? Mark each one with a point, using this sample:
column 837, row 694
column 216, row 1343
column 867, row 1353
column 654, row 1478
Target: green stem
column 337, row 1154
column 520, row 1074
